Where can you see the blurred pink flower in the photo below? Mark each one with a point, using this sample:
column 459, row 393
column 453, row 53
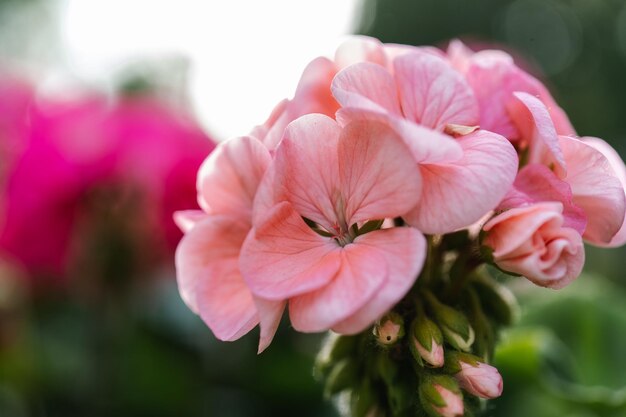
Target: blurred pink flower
column 532, row 241
column 480, row 379
column 337, row 179
column 75, row 148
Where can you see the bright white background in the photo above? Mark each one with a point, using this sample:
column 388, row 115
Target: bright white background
column 245, row 55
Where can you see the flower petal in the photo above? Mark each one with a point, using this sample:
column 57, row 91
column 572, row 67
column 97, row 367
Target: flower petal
column 404, row 250
column 360, row 49
column 620, row 170
column 363, row 271
column 366, row 86
column 426, row 145
column 209, row 279
column 270, row 313
column 284, row 257
column 187, row 219
column 307, row 168
column 229, row 177
column 596, row 189
column 373, row 187
column 312, row 96
column 536, row 183
column 536, row 127
column 457, row 194
column 432, row 93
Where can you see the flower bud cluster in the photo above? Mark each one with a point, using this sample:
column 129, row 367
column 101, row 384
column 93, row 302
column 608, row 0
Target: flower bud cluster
column 431, row 353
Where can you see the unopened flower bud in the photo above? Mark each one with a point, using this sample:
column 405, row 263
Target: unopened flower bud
column 426, row 342
column 389, row 329
column 474, row 376
column 441, row 397
column 454, row 325
column 481, row 380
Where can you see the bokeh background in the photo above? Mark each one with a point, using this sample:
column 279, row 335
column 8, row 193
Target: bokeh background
column 108, row 107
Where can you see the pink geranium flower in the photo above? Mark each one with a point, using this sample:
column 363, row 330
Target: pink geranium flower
column 596, row 190
column 309, row 246
column 423, row 98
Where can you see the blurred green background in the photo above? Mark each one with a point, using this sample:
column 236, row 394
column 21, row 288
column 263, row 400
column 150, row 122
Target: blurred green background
column 136, row 350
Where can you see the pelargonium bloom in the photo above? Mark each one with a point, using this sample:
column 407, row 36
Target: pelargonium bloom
column 313, row 246
column 566, row 171
column 429, row 103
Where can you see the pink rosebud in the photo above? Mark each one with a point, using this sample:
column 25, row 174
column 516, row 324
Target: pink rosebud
column 454, row 403
column 481, row 380
column 531, row 241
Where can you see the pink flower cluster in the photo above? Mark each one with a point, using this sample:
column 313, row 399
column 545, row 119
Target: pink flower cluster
column 324, row 207
column 56, row 153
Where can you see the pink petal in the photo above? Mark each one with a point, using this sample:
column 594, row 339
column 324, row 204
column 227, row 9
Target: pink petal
column 229, row 177
column 360, row 49
column 536, row 128
column 457, row 194
column 404, row 250
column 426, row 145
column 363, row 271
column 187, row 219
column 517, row 225
column 494, row 78
column 536, row 183
column 307, row 168
column 270, row 313
column 209, row 279
column 312, row 96
column 620, row 170
column 596, row 189
column 432, row 93
column 284, row 257
column 373, row 187
column 366, row 86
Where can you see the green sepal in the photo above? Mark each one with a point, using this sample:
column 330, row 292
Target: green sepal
column 344, row 375
column 498, row 301
column 454, row 359
column 362, row 399
column 452, row 322
column 334, row 348
column 400, row 398
column 386, row 367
